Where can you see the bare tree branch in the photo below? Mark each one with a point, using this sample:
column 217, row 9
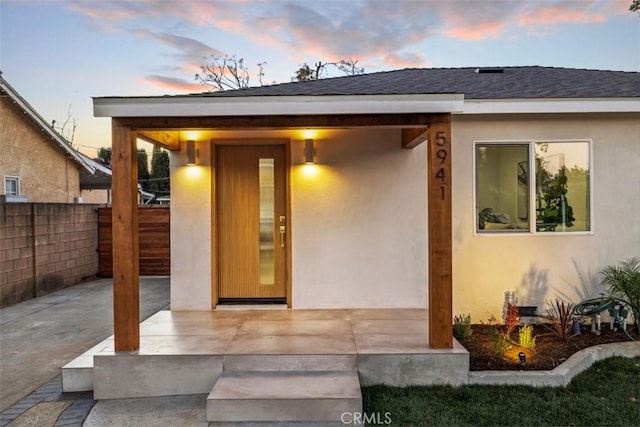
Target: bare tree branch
column 68, row 128
column 220, row 73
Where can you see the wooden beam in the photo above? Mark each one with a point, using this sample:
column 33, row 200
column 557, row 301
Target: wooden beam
column 266, row 122
column 126, row 298
column 440, row 243
column 165, row 138
column 412, row 137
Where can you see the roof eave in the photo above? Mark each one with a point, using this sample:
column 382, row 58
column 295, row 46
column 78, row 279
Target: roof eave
column 551, row 105
column 45, row 127
column 276, row 105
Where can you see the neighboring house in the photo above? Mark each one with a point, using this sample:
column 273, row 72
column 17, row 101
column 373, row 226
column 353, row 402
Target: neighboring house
column 96, row 187
column 36, row 163
column 523, row 179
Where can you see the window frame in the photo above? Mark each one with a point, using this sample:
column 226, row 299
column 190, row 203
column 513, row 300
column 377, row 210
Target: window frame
column 531, row 144
column 7, row 178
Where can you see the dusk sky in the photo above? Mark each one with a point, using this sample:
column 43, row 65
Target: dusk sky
column 57, row 53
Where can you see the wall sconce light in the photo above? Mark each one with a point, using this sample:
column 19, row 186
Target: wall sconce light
column 191, row 152
column 308, row 151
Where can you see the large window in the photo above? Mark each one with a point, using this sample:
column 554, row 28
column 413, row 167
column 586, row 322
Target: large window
column 11, row 185
column 533, row 186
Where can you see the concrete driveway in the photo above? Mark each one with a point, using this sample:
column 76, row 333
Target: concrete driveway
column 39, row 336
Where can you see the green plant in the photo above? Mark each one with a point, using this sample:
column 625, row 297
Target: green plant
column 560, row 314
column 623, row 283
column 501, row 342
column 526, row 338
column 552, row 208
column 462, row 326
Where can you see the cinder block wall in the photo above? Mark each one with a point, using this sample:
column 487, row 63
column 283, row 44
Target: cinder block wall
column 45, row 247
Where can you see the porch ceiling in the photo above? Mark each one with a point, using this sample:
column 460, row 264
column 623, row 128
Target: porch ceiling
column 166, row 131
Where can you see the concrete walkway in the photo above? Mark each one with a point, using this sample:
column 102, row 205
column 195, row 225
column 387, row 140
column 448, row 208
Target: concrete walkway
column 39, row 336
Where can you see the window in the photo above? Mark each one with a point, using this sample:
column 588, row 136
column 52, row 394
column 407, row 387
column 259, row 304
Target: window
column 11, row 185
column 533, row 186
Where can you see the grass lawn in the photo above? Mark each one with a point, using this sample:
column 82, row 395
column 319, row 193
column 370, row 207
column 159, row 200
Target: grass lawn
column 606, row 394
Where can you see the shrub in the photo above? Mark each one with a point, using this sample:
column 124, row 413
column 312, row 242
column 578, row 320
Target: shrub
column 526, row 338
column 560, row 314
column 513, row 318
column 501, row 342
column 623, row 283
column 462, row 326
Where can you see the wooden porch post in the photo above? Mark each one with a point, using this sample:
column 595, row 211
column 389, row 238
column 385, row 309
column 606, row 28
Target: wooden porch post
column 126, row 298
column 439, row 234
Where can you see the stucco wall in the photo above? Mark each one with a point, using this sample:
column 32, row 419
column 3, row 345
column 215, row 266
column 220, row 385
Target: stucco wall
column 358, row 222
column 359, row 219
column 96, row 196
column 46, row 175
column 191, row 231
column 541, row 267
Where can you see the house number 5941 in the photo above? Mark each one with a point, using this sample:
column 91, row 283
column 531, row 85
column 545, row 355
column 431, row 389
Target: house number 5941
column 442, row 154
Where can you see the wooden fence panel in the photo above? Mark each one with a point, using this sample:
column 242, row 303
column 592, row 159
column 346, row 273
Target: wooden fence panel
column 155, row 244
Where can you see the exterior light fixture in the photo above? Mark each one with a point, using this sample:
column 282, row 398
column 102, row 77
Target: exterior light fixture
column 523, row 358
column 191, row 152
column 308, row 151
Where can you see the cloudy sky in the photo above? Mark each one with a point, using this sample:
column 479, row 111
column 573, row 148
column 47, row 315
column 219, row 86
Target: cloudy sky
column 60, row 53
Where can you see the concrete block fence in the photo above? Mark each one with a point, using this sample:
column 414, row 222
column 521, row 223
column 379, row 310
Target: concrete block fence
column 45, row 247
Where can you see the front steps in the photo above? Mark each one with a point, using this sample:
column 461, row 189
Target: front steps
column 326, row 397
column 187, row 352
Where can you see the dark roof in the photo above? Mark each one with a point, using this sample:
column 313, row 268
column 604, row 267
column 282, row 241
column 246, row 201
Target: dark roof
column 473, row 82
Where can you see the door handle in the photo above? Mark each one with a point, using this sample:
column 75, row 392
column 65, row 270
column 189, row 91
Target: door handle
column 282, row 229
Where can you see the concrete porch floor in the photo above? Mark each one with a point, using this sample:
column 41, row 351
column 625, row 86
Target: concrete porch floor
column 187, row 352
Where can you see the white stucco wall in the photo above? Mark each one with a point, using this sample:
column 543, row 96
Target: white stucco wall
column 359, row 219
column 541, row 267
column 191, row 231
column 359, row 223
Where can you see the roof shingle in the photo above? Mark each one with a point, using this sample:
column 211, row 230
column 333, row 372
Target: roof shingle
column 475, row 83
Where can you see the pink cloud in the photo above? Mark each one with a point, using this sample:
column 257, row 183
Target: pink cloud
column 406, row 60
column 173, row 84
column 560, row 14
column 479, row 31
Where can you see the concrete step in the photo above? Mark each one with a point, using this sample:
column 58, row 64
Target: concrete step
column 284, row 397
column 289, row 362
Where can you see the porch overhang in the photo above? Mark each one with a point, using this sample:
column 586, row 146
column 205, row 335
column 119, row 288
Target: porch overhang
column 160, row 119
column 207, row 105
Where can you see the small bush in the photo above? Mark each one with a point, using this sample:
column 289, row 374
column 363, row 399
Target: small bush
column 623, row 283
column 501, row 342
column 526, row 338
column 462, row 326
column 513, row 318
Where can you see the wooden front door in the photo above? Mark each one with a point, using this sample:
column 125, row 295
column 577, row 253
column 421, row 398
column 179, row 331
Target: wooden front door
column 251, row 209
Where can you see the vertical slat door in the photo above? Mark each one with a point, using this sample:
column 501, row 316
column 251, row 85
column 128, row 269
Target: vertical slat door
column 251, row 202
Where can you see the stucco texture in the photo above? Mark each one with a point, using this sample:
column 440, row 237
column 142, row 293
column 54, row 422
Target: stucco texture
column 359, row 223
column 540, row 267
column 46, row 175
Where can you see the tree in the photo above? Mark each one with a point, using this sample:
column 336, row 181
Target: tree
column 320, row 69
column 104, row 153
column 143, row 169
column 159, row 183
column 635, row 6
column 220, row 73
